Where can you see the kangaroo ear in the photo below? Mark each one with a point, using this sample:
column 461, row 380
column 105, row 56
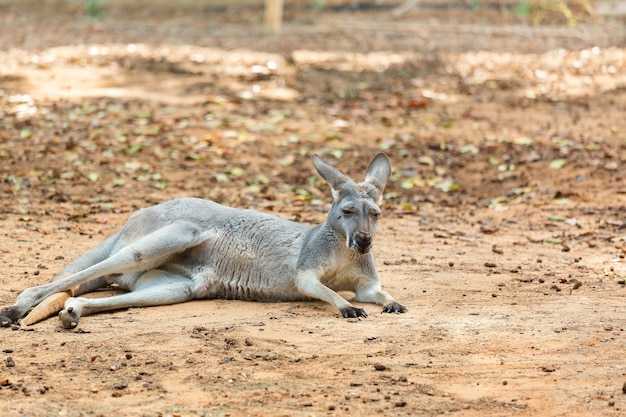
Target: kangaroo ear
column 335, row 178
column 378, row 173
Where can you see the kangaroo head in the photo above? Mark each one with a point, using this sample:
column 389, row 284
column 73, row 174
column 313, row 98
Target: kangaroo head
column 355, row 208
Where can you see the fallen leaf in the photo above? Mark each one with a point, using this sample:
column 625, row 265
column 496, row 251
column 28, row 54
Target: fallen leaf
column 425, row 160
column 554, row 240
column 26, row 133
column 473, row 149
column 523, row 140
column 555, row 218
column 448, row 185
column 135, row 148
column 557, row 163
column 93, row 176
column 287, row 160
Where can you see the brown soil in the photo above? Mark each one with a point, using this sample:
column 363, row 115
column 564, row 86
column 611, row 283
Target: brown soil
column 503, row 229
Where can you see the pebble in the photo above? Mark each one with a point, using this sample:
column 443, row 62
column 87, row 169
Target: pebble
column 380, row 367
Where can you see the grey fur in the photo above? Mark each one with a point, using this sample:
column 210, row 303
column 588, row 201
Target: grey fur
column 190, row 248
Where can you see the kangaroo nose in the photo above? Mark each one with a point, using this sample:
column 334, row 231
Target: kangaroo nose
column 363, row 241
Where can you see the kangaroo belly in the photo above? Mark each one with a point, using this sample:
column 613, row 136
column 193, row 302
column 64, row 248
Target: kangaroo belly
column 209, row 285
column 247, row 258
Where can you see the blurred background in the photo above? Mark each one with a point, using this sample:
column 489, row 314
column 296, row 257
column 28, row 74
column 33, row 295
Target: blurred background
column 486, row 103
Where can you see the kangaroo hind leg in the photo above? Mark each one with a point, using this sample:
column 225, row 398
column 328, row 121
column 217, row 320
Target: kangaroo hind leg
column 142, row 254
column 152, row 288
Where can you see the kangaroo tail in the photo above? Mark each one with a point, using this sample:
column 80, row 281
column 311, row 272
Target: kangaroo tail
column 47, row 308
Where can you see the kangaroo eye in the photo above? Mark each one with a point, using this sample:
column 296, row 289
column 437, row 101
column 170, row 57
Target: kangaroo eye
column 375, row 213
column 348, row 210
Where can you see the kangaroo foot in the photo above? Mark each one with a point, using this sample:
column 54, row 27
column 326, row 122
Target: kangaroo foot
column 9, row 316
column 394, row 308
column 69, row 318
column 353, row 312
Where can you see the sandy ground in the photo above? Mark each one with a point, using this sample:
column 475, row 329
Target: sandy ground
column 514, row 282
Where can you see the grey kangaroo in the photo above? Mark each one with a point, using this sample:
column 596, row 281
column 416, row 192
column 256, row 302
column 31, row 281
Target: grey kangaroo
column 189, row 248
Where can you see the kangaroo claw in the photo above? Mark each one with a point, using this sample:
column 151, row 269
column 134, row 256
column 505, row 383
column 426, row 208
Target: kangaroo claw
column 394, row 308
column 353, row 312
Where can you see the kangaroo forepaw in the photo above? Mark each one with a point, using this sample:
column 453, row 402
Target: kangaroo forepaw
column 69, row 318
column 394, row 308
column 9, row 316
column 353, row 312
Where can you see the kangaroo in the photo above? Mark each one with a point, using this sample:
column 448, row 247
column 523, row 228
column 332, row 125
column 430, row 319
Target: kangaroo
column 189, row 248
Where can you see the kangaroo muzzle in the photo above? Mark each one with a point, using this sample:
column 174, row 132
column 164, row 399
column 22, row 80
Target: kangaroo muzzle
column 362, row 242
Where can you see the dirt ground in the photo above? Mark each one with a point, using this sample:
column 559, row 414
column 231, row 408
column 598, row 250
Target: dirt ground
column 503, row 227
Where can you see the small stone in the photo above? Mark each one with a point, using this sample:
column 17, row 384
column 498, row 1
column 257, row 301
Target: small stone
column 380, row 367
